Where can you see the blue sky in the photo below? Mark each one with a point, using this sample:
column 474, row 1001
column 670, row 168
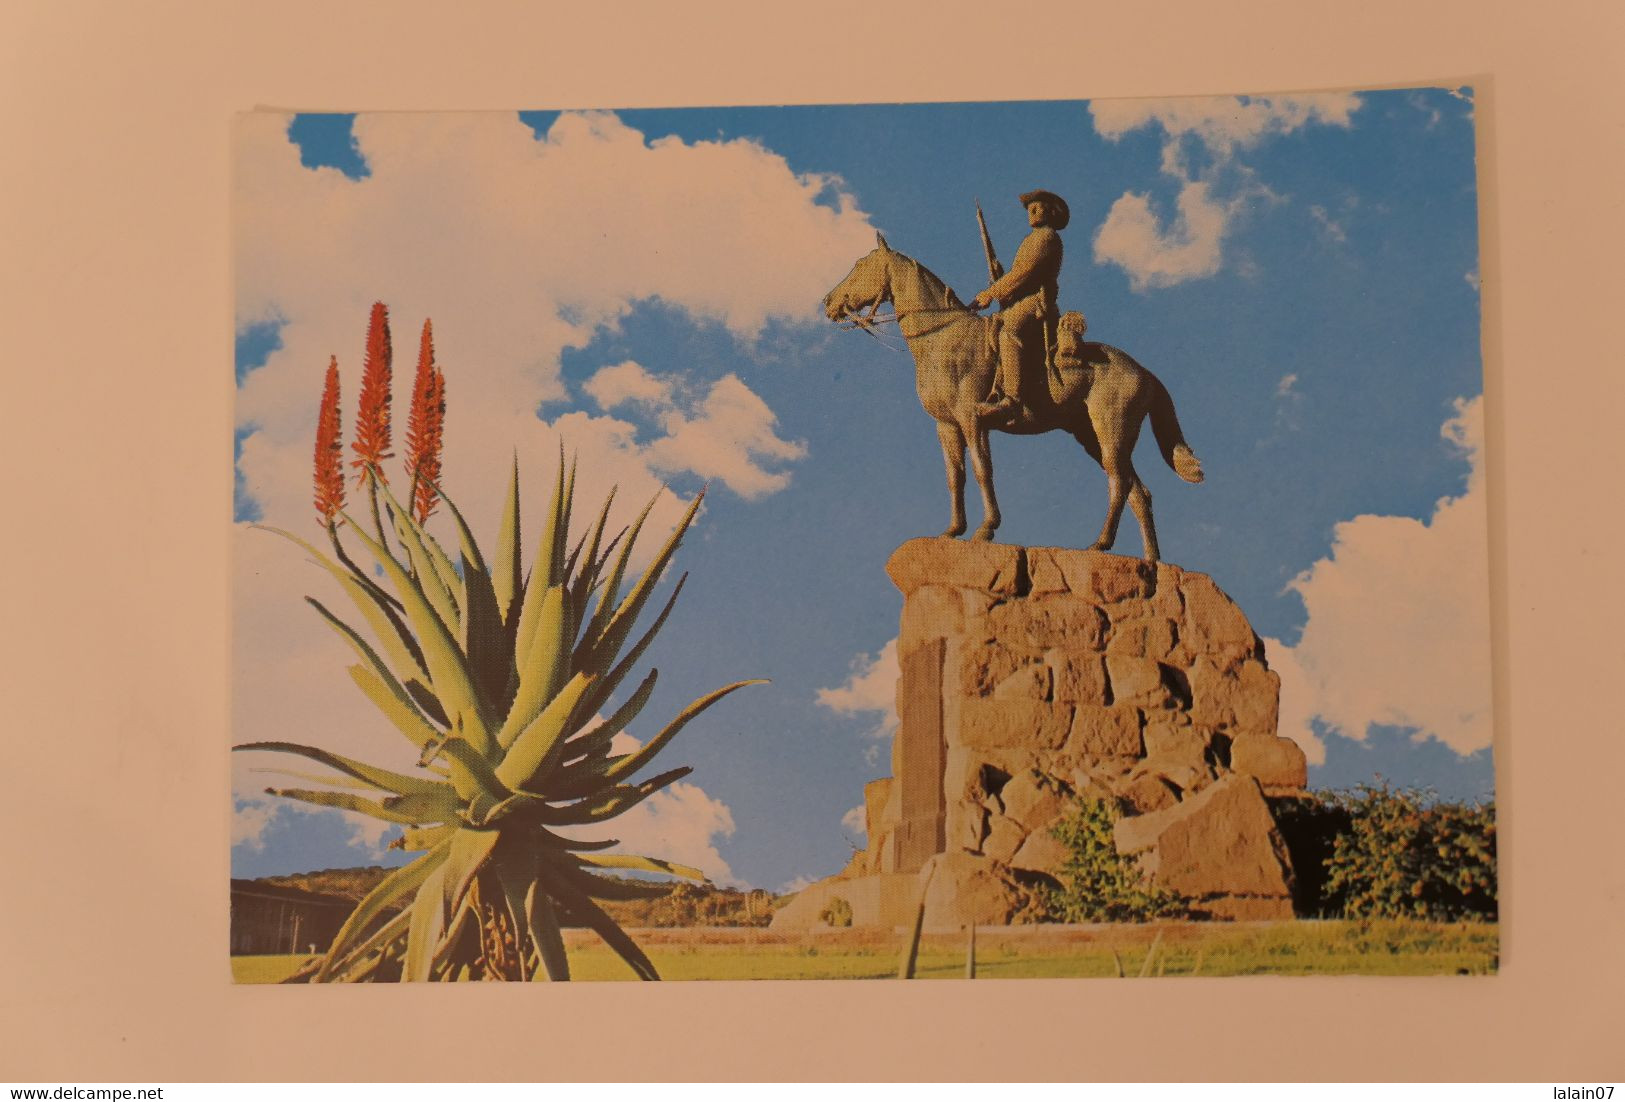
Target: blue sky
column 1300, row 272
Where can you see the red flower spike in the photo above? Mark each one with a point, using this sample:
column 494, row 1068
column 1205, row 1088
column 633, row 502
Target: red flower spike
column 371, row 443
column 425, row 428
column 329, row 449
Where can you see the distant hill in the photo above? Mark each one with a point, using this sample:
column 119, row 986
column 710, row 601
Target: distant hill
column 687, row 904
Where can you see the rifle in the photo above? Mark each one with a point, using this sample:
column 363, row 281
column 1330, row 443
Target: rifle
column 995, row 270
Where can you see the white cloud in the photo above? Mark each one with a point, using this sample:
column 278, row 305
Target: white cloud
column 856, row 821
column 518, row 249
column 627, row 382
column 871, row 690
column 1224, row 123
column 1215, row 189
column 1398, row 621
column 796, row 884
column 1191, row 247
column 1473, row 280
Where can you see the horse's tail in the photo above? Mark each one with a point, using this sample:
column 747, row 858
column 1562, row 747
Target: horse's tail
column 1170, row 438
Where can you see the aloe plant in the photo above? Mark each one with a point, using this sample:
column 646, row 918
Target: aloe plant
column 499, row 680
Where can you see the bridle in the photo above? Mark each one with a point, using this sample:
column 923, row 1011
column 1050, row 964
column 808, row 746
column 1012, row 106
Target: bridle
column 869, row 322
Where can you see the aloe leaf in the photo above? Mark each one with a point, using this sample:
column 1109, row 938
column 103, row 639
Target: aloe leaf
column 643, row 864
column 576, row 845
column 586, row 579
column 505, row 578
column 391, row 888
column 608, row 643
column 433, row 571
column 584, row 910
column 447, row 672
column 612, row 587
column 395, row 928
column 542, row 666
column 515, row 883
column 381, row 778
column 546, row 935
column 373, row 602
column 413, row 839
column 427, row 702
column 532, row 746
column 486, row 642
column 428, row 919
column 364, row 649
column 396, row 706
column 637, row 760
column 611, row 801
column 607, row 687
column 602, row 736
column 469, row 849
column 412, row 810
column 465, row 756
column 619, row 890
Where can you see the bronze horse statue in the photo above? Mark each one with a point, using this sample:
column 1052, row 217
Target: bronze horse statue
column 1097, row 393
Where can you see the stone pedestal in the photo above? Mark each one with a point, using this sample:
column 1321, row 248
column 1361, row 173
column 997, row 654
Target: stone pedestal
column 1032, row 676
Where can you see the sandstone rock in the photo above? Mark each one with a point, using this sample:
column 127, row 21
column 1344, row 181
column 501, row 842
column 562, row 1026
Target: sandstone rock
column 1041, row 852
column 1059, row 621
column 966, row 564
column 1147, row 793
column 1031, row 798
column 1258, row 698
column 1104, row 732
column 1105, row 577
column 1246, row 908
column 876, row 795
column 1213, row 625
column 1078, row 679
column 1137, row 681
column 1004, row 837
column 986, row 723
column 967, row 888
column 1278, row 764
column 1143, row 638
column 1043, row 573
column 1222, row 841
column 986, row 666
column 1167, row 740
column 879, row 899
column 1185, row 777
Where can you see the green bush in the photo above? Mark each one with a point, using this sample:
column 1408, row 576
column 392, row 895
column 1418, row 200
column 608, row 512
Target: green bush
column 837, row 913
column 1407, row 855
column 1097, row 883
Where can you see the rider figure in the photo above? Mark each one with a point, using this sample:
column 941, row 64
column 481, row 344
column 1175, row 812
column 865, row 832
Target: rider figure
column 1026, row 296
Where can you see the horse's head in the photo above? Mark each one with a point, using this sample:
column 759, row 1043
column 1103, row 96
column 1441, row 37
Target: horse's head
column 867, row 285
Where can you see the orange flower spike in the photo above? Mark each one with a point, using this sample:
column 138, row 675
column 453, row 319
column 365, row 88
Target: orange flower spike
column 371, row 443
column 425, row 428
column 329, row 450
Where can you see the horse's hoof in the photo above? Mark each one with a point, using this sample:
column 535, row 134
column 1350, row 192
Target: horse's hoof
column 984, row 534
column 953, row 532
column 1100, row 545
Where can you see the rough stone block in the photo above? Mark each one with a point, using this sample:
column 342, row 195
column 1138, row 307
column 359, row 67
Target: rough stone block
column 1042, row 572
column 1104, row 732
column 1031, row 798
column 989, row 567
column 1213, row 625
column 967, row 888
column 1104, row 577
column 1222, row 841
column 1258, row 698
column 1041, row 852
column 1277, row 763
column 1060, row 621
column 984, row 666
column 1028, row 683
column 1247, row 908
column 1078, row 678
column 1168, row 741
column 1147, row 793
column 1143, row 638
column 990, row 723
column 1004, row 837
column 1137, row 681
column 876, row 795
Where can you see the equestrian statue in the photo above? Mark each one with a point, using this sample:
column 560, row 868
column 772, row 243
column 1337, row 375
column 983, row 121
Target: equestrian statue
column 1023, row 370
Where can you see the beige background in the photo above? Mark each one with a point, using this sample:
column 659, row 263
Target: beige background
column 117, row 457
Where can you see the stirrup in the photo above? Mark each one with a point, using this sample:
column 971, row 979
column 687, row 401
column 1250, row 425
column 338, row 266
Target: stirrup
column 1001, row 405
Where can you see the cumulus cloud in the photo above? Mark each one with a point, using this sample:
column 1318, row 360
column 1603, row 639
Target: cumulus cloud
column 870, row 691
column 519, row 249
column 1398, row 621
column 1203, row 137
column 856, row 821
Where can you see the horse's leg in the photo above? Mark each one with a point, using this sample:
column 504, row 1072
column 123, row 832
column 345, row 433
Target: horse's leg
column 1117, row 441
column 981, row 457
column 1139, row 499
column 953, row 459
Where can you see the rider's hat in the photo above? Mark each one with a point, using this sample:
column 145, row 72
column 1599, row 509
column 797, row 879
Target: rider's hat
column 1062, row 213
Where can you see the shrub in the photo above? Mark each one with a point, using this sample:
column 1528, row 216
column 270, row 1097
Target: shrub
column 1097, row 883
column 1407, row 855
column 837, row 913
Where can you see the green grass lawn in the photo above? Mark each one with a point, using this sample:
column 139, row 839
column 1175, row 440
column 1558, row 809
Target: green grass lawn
column 1388, row 948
